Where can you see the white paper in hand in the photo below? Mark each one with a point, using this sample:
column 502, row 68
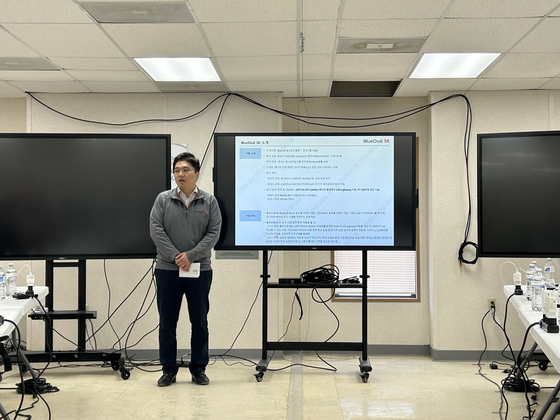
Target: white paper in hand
column 194, row 271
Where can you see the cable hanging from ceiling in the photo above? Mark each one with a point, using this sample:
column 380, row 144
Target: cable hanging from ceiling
column 312, row 120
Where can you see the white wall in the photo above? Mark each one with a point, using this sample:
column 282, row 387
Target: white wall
column 235, row 282
column 453, row 297
column 12, row 115
column 459, row 294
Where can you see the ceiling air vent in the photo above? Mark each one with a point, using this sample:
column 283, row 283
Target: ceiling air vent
column 379, row 45
column 139, row 12
column 26, row 63
column 364, row 89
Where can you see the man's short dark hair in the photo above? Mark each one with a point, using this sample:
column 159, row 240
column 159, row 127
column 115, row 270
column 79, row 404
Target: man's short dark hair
column 187, row 157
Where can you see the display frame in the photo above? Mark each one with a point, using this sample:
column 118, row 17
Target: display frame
column 406, row 200
column 80, row 195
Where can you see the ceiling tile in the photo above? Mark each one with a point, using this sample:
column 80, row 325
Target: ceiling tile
column 9, row 91
column 552, row 84
column 124, row 87
column 65, row 40
column 320, row 36
column 421, row 87
column 244, row 11
column 508, row 84
column 477, row 35
column 522, row 65
column 316, row 66
column 388, row 28
column 500, row 9
column 288, row 88
column 159, row 40
column 51, row 87
column 315, row 88
column 372, row 66
column 11, row 47
column 394, row 9
column 320, row 9
column 84, row 63
column 309, row 88
column 51, row 11
column 43, row 76
column 246, row 69
column 252, row 39
column 544, row 38
column 108, row 76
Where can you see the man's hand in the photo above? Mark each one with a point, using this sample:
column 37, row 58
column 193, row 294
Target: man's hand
column 182, row 261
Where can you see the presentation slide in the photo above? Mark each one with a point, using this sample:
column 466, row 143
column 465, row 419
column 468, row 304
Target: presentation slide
column 314, row 190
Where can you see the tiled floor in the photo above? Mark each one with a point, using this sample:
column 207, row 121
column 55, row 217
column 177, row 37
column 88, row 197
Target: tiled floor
column 399, row 387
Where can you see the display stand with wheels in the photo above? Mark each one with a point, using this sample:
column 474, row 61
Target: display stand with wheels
column 81, row 315
column 364, row 363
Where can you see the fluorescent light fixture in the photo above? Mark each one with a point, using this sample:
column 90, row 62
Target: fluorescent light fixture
column 452, row 65
column 178, row 69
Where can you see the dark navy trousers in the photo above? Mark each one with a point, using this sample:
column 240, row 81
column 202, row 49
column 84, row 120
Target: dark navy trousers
column 170, row 291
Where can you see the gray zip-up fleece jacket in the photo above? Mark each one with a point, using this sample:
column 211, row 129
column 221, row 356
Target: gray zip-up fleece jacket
column 193, row 230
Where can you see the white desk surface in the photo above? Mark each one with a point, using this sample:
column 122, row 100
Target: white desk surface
column 548, row 342
column 15, row 309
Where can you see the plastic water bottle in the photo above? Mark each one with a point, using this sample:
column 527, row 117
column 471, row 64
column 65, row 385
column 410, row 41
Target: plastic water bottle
column 529, row 274
column 538, row 290
column 2, row 284
column 11, row 280
column 549, row 273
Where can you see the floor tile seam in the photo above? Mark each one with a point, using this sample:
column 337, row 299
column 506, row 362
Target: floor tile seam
column 295, row 391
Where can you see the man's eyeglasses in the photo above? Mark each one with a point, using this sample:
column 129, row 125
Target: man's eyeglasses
column 177, row 171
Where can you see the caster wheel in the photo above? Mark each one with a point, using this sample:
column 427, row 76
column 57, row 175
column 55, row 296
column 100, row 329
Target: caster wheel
column 365, row 377
column 115, row 365
column 125, row 374
column 534, row 397
column 259, row 376
column 543, row 365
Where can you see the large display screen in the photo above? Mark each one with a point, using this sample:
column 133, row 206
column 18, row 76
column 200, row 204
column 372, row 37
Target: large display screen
column 316, row 191
column 518, row 200
column 80, row 195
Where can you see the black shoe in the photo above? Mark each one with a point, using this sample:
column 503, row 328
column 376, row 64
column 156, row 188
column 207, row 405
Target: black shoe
column 200, row 378
column 167, row 379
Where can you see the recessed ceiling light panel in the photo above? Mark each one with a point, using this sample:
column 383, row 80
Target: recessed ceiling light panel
column 452, row 65
column 178, row 69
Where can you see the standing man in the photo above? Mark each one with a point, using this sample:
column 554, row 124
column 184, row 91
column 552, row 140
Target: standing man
column 185, row 225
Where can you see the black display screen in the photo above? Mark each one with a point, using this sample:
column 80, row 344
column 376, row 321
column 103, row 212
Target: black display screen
column 80, row 195
column 518, row 194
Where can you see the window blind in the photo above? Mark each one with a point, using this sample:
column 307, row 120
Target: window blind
column 392, row 274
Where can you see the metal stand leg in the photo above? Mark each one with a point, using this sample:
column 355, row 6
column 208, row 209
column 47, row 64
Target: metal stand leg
column 3, row 413
column 548, row 403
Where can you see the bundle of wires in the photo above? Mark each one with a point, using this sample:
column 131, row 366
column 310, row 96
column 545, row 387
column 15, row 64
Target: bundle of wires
column 35, row 386
column 326, row 274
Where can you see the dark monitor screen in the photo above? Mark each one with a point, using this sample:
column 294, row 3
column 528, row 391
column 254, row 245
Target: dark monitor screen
column 80, row 195
column 518, row 199
column 316, row 191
